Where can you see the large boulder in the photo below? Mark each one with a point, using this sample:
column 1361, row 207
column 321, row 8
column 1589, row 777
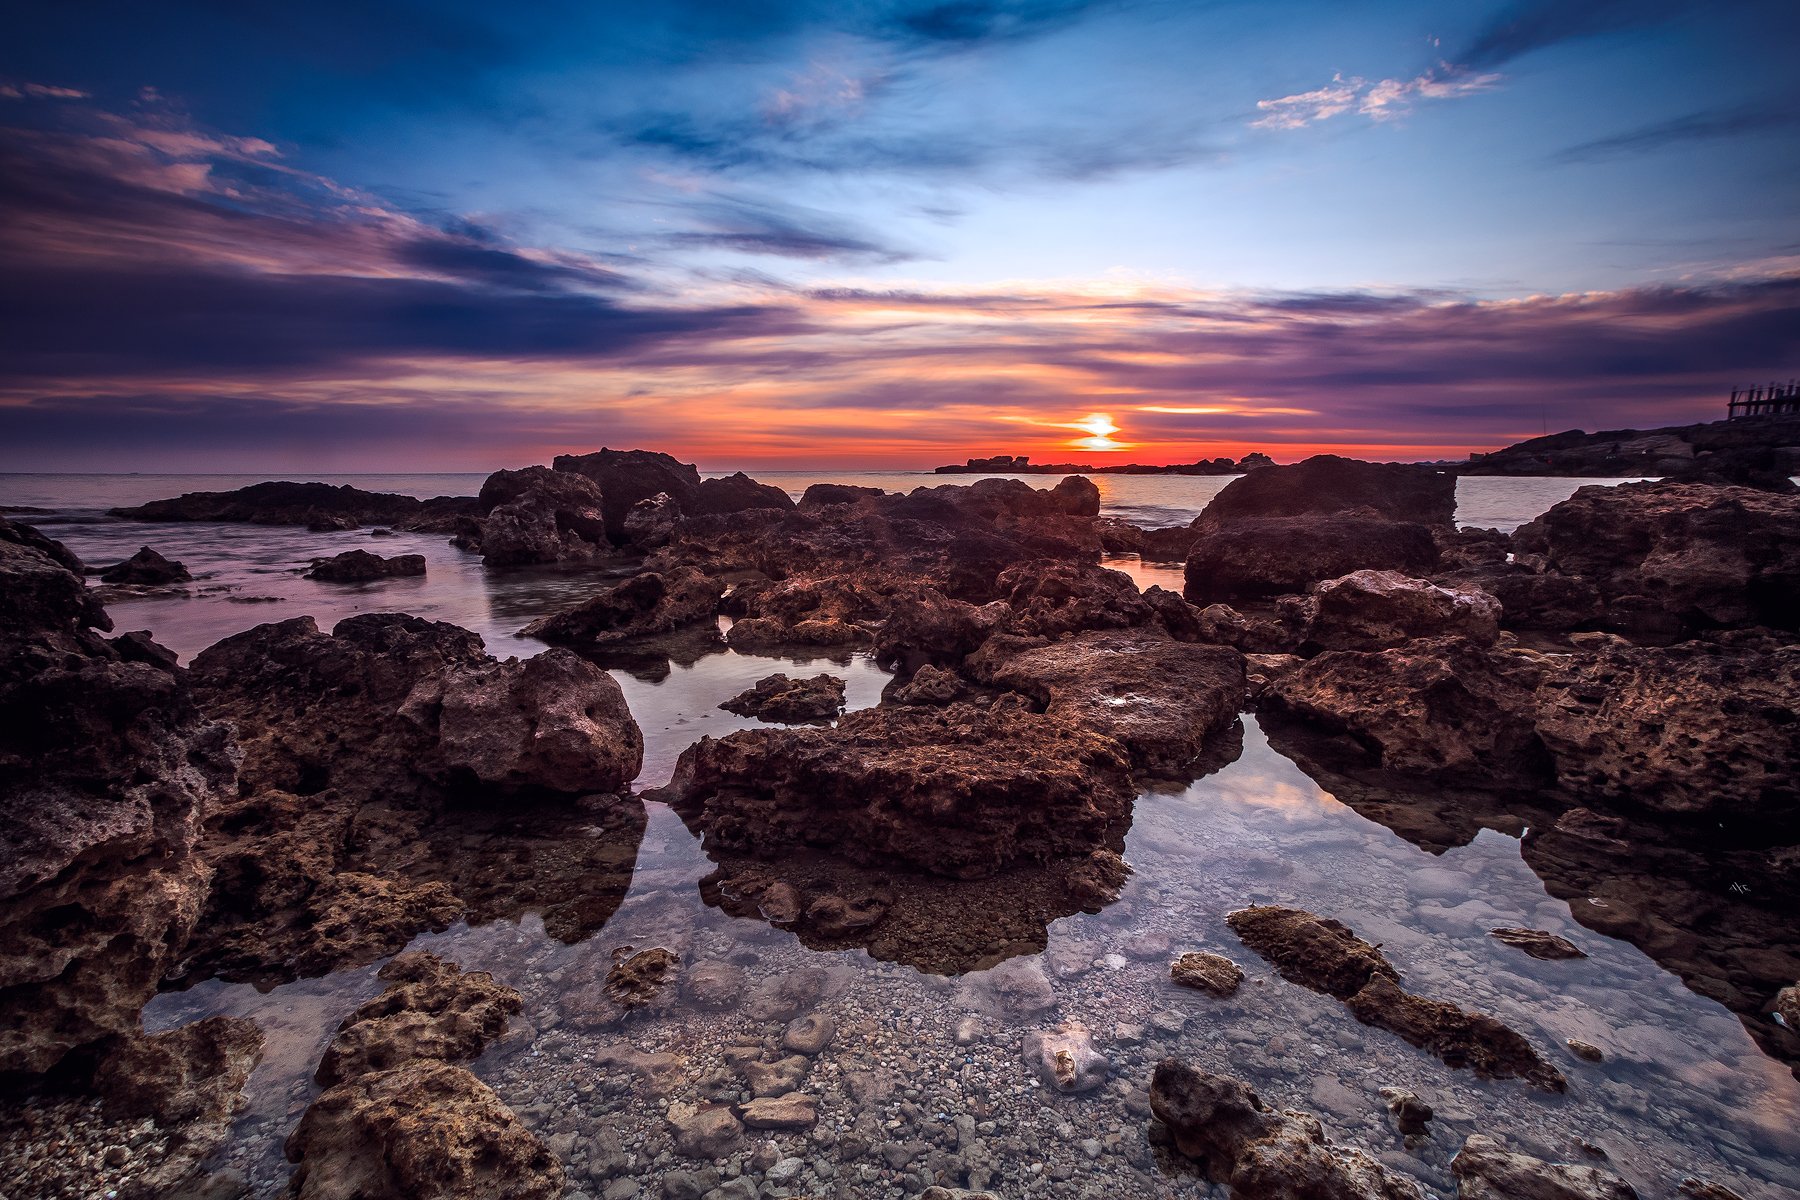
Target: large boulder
column 537, row 515
column 146, row 568
column 1268, row 556
column 734, row 494
column 627, row 476
column 1052, row 598
column 1257, row 1153
column 927, row 627
column 1327, row 484
column 960, row 790
column 1686, row 556
column 1374, row 610
column 285, row 503
column 360, row 566
column 647, row 605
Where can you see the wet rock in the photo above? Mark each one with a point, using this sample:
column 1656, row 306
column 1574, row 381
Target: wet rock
column 808, row 1034
column 1240, row 1143
column 713, row 984
column 795, row 1110
column 1485, row 1170
column 627, row 476
column 785, row 996
column 1373, row 610
column 1687, row 556
column 960, row 790
column 646, row 605
column 537, row 515
column 1159, row 698
column 931, row 685
column 1704, row 1189
column 1065, row 1058
column 1021, row 987
column 1271, row 556
column 1412, row 1116
column 1787, row 1003
column 734, row 494
column 426, row 1129
column 1586, row 1051
column 1538, row 943
column 553, row 721
column 638, row 977
column 834, row 610
column 431, row 1009
column 704, row 1130
column 1212, row 973
column 842, row 916
column 777, row 1078
column 1326, row 483
column 194, row 1074
column 360, row 566
column 284, row 503
column 650, row 523
column 146, row 568
column 1326, row 956
column 782, row 699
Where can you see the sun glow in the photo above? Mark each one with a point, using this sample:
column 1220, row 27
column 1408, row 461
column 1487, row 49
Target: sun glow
column 1099, row 427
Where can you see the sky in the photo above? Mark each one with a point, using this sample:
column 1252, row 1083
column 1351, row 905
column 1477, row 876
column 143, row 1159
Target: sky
column 376, row 235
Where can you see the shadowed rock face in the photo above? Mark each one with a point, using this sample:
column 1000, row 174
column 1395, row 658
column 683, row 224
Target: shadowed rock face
column 1259, row 1154
column 627, row 476
column 537, row 515
column 1326, row 483
column 960, row 790
column 360, row 566
column 1326, row 956
column 1373, row 610
column 733, row 494
column 146, row 568
column 284, row 503
column 645, row 606
column 1270, row 556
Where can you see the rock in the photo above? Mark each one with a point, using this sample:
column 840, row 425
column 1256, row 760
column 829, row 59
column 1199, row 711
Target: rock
column 1326, row 483
column 833, row 916
column 638, row 977
column 1373, row 610
column 1787, row 1004
column 785, row 996
column 794, row 1110
column 779, row 698
column 1703, row 1189
column 423, row 1130
column 1021, row 987
column 808, row 1034
column 553, row 722
column 1049, row 598
column 1688, row 556
column 1485, row 1170
column 930, row 628
column 1326, row 956
column 192, row 1075
column 650, row 523
column 777, row 1078
column 1270, row 556
column 359, row 566
column 734, row 494
column 146, row 568
column 646, row 605
column 930, row 685
column 1159, row 698
column 283, row 503
column 1444, row 709
column 836, row 493
column 1213, row 973
column 713, row 984
column 1240, row 1143
column 431, row 1010
column 1538, row 943
column 960, row 791
column 627, row 476
column 1065, row 1058
column 1412, row 1116
column 1586, row 1050
column 704, row 1131
column 537, row 515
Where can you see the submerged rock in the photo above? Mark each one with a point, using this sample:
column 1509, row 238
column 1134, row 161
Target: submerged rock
column 431, row 1009
column 1205, row 972
column 1486, row 1170
column 1259, row 1154
column 1065, row 1058
column 1538, row 943
column 146, row 568
column 781, row 699
column 360, row 566
column 1412, row 1116
column 637, row 977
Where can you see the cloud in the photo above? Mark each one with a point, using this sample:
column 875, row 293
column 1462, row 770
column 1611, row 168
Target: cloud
column 784, row 231
column 1532, row 25
column 1383, row 100
column 1707, row 126
column 39, row 91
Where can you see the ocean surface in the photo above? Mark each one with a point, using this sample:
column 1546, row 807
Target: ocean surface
column 1682, row 1091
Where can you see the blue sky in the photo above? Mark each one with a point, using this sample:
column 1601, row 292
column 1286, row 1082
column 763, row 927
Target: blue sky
column 649, row 222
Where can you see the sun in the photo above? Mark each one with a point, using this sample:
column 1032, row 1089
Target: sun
column 1099, row 427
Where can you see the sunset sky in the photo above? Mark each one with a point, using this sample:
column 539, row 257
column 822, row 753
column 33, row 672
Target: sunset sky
column 379, row 235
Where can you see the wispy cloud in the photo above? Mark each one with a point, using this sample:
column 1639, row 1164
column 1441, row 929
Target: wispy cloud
column 1707, row 126
column 1381, row 100
column 39, row 91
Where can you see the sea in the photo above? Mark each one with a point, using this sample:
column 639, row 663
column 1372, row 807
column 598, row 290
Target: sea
column 1682, row 1089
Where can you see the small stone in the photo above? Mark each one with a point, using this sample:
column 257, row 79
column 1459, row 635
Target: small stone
column 795, row 1110
column 786, row 1169
column 703, row 1131
column 1168, row 1022
column 968, row 1031
column 1411, row 1114
column 117, row 1156
column 1065, row 1058
column 777, row 1078
column 809, row 1034
column 1586, row 1050
column 1538, row 943
column 1213, row 973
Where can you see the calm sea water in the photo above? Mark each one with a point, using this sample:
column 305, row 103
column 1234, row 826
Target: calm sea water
column 1683, row 1089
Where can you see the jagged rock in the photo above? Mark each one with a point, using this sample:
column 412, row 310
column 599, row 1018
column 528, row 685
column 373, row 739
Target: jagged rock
column 1051, row 598
column 1205, row 972
column 1586, row 1051
column 650, row 523
column 537, row 515
column 1279, row 633
column 931, row 685
column 646, row 605
column 805, row 611
column 147, row 568
column 836, row 493
column 638, row 977
column 359, row 566
column 734, row 494
column 1269, row 556
column 1538, row 943
column 1787, row 1003
column 1486, row 1170
column 1259, row 1154
column 1373, row 610
column 1326, row 956
column 1678, row 556
column 1705, row 1189
column 423, row 1131
column 1159, row 698
column 794, row 1110
column 1412, row 1116
column 627, row 476
column 284, row 503
column 1326, row 483
column 1065, row 1058
column 959, row 790
column 781, row 699
column 430, row 1010
column 930, row 628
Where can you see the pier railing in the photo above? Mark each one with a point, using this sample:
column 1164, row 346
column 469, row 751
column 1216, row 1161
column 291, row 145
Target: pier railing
column 1763, row 401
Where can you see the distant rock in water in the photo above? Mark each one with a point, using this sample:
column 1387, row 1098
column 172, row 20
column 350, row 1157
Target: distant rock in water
column 1761, row 452
column 360, row 566
column 1326, row 483
column 284, row 503
column 146, row 568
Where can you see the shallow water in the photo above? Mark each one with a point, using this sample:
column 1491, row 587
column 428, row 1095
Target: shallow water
column 1682, row 1091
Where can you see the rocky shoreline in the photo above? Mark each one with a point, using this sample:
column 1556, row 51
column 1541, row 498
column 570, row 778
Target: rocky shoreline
column 297, row 802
